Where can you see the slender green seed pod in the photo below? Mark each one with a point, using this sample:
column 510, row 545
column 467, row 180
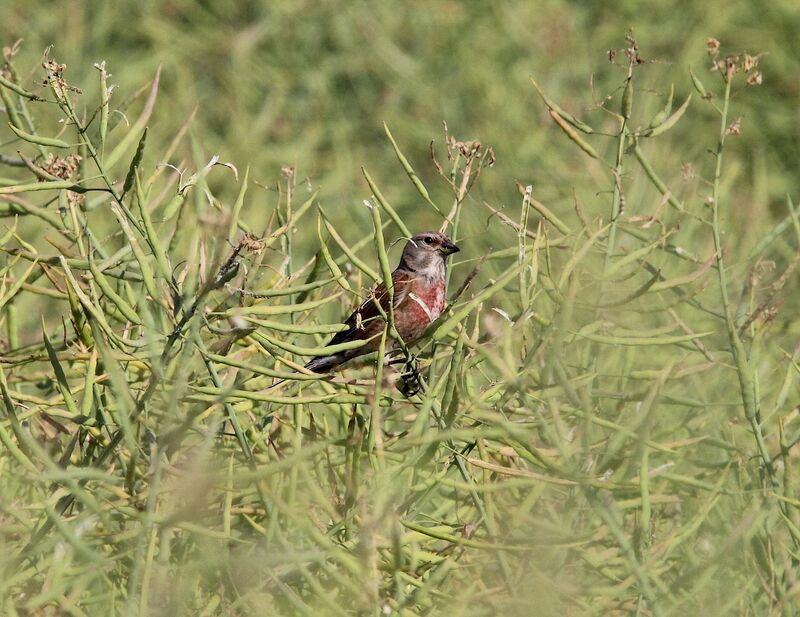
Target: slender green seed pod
column 412, row 175
column 663, row 114
column 7, row 83
column 577, row 123
column 12, row 325
column 698, row 85
column 581, row 143
column 38, row 139
column 671, row 120
column 105, row 97
column 627, row 98
column 11, row 108
column 135, row 162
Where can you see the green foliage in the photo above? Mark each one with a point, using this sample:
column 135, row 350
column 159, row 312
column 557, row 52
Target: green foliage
column 609, row 417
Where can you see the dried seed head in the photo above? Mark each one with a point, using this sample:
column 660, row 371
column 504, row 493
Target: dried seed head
column 13, row 50
column 76, row 200
column 612, row 56
column 54, row 77
column 63, row 168
column 735, row 127
column 731, row 65
column 712, row 46
column 469, row 151
column 754, row 78
column 764, row 267
column 53, row 67
column 749, row 62
column 770, row 314
column 252, row 243
column 632, row 50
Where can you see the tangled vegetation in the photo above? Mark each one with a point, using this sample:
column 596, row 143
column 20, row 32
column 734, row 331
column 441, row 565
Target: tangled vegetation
column 608, row 422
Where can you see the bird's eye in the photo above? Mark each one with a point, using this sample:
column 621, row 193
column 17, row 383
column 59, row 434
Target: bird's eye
column 428, row 240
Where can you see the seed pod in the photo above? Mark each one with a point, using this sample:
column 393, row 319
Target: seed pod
column 670, row 121
column 105, row 98
column 578, row 124
column 7, row 83
column 583, row 145
column 698, row 85
column 38, row 139
column 135, row 162
column 664, row 113
column 627, row 98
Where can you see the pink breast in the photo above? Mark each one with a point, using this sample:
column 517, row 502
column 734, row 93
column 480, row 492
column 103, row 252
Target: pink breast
column 434, row 299
column 412, row 318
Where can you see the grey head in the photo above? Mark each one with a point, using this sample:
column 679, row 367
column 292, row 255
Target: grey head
column 427, row 253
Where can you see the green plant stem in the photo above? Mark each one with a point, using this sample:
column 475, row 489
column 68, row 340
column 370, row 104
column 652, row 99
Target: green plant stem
column 743, row 369
column 616, row 198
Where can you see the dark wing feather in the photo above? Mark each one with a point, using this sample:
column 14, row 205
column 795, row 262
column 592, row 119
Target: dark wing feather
column 362, row 323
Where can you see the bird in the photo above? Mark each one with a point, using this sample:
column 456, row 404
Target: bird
column 419, row 292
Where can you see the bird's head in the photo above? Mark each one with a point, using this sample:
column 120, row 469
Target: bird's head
column 427, row 252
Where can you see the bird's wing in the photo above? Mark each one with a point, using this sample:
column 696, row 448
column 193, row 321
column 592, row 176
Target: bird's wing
column 366, row 320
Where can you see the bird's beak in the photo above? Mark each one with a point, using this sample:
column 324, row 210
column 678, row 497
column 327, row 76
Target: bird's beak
column 448, row 248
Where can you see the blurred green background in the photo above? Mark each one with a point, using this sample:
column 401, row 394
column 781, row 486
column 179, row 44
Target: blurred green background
column 308, row 84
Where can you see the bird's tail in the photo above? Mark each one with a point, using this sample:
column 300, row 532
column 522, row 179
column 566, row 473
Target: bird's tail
column 323, row 364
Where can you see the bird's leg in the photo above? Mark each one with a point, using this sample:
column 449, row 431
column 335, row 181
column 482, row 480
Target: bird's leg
column 410, row 382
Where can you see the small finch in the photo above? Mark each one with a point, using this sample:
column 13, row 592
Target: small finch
column 419, row 297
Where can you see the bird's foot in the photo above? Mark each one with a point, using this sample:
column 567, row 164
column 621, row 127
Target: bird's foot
column 410, row 382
